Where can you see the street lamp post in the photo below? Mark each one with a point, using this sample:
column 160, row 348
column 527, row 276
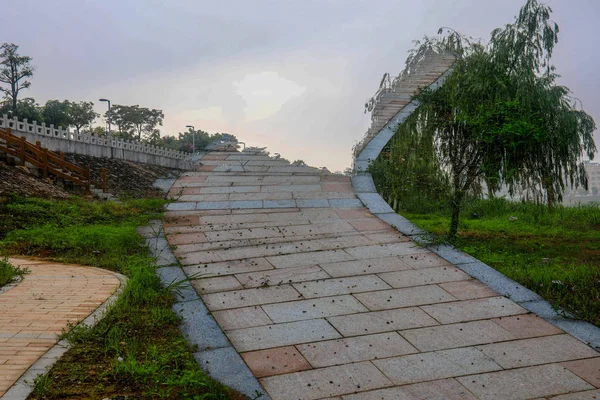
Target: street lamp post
column 108, row 114
column 193, row 137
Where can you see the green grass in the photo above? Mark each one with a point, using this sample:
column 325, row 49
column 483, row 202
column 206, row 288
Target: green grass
column 555, row 253
column 9, row 273
column 136, row 350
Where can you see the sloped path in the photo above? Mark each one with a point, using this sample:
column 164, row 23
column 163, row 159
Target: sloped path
column 325, row 301
column 34, row 312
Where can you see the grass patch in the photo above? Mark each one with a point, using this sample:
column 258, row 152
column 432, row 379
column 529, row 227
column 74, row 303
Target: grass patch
column 136, row 350
column 9, row 273
column 554, row 253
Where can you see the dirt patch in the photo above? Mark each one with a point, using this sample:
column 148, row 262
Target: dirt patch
column 21, row 182
column 126, row 177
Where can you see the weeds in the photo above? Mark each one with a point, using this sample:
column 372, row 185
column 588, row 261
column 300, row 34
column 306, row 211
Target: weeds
column 135, row 350
column 9, row 273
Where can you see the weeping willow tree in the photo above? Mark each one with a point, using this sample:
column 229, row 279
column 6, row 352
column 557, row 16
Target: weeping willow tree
column 500, row 118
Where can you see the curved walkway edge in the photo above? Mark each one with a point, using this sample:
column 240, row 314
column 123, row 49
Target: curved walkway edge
column 366, row 191
column 35, row 311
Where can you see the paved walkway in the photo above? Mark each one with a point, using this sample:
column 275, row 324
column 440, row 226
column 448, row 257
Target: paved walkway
column 323, row 300
column 35, row 311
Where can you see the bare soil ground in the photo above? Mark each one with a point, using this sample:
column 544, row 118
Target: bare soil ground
column 125, row 178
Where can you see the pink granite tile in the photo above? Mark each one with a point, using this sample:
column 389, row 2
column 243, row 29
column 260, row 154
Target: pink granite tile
column 456, row 335
column 524, row 383
column 407, row 297
column 360, row 348
column 338, row 286
column 277, row 361
column 381, row 321
column 426, row 276
column 185, row 238
column 353, row 213
column 471, row 310
column 424, row 260
column 218, row 284
column 250, row 297
column 588, row 369
column 364, row 267
column 280, row 276
column 535, row 351
column 527, row 326
column 325, row 382
column 446, row 389
column 467, row 290
column 239, row 318
column 369, row 224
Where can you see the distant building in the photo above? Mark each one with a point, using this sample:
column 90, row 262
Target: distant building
column 593, row 173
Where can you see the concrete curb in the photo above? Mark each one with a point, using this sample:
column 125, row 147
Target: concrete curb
column 215, row 353
column 23, row 387
column 366, row 191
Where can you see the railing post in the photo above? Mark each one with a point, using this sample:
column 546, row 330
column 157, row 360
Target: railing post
column 88, row 178
column 23, row 143
column 45, row 162
column 104, row 180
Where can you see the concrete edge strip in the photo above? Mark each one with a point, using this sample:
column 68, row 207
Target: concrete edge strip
column 365, row 189
column 23, row 387
column 213, row 350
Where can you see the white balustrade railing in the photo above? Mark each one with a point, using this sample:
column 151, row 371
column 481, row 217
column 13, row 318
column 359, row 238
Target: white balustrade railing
column 59, row 133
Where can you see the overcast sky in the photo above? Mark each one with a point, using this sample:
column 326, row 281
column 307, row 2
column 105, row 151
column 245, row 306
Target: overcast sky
column 292, row 75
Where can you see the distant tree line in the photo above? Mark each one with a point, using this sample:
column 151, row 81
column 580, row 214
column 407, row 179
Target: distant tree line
column 130, row 122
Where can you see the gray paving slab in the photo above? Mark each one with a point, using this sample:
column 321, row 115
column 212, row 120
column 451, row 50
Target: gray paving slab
column 199, row 327
column 226, row 366
column 175, row 279
column 400, row 223
column 453, row 255
column 499, row 282
column 363, row 184
column 181, row 206
column 279, row 203
column 345, row 203
column 312, row 203
column 375, row 203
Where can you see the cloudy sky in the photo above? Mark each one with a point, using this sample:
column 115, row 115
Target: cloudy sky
column 291, row 75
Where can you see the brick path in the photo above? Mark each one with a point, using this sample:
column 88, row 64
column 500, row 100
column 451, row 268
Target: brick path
column 323, row 300
column 36, row 310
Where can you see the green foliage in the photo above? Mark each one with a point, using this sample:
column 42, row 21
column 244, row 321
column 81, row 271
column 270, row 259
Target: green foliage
column 27, row 108
column 135, row 120
column 82, row 114
column 499, row 119
column 202, row 139
column 8, row 272
column 57, row 113
column 14, row 71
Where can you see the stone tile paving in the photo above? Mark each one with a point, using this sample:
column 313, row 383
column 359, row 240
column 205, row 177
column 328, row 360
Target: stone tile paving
column 36, row 310
column 325, row 301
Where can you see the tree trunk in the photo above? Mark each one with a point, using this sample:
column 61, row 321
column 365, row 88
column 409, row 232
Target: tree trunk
column 551, row 197
column 14, row 103
column 456, row 202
